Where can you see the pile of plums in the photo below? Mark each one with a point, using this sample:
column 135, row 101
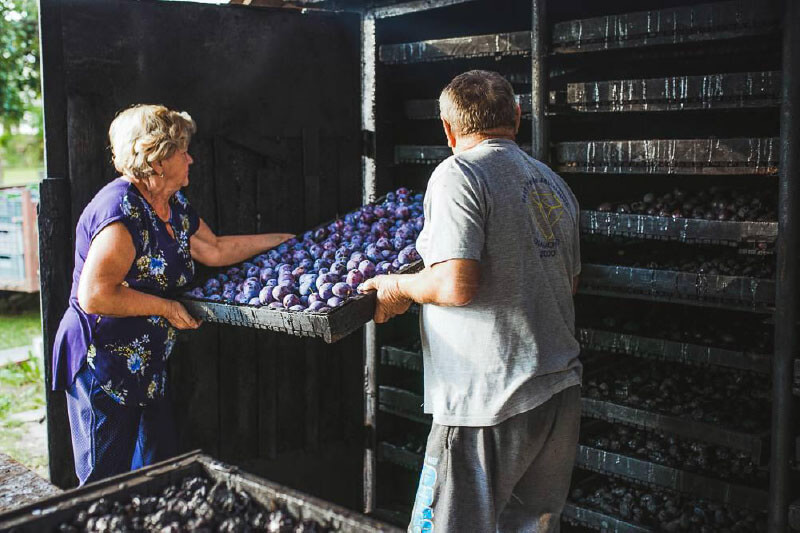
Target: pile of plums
column 686, row 391
column 663, row 510
column 715, row 203
column 196, row 504
column 323, row 269
column 719, row 262
column 731, row 332
column 669, row 450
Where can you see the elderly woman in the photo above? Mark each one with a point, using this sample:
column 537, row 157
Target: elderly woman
column 136, row 243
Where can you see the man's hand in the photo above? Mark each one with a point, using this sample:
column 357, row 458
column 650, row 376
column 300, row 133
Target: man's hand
column 390, row 301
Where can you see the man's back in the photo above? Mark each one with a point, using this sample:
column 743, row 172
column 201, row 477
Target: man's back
column 513, row 346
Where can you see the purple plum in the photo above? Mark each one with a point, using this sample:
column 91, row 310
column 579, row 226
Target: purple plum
column 254, row 301
column 276, row 305
column 339, row 268
column 334, row 301
column 279, row 292
column 354, row 278
column 265, row 296
column 326, row 291
column 342, row 290
column 298, row 307
column 367, row 269
column 316, row 306
column 290, row 299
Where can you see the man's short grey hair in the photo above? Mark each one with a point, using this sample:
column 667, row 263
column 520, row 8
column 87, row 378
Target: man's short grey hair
column 478, row 101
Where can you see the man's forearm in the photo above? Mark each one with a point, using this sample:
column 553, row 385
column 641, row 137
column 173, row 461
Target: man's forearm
column 430, row 287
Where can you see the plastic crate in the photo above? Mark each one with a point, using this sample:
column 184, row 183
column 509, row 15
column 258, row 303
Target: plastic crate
column 10, row 206
column 12, row 241
column 12, row 267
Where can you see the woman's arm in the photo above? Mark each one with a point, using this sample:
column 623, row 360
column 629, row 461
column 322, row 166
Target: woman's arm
column 100, row 289
column 214, row 251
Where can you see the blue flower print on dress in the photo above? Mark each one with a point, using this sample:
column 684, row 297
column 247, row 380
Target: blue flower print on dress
column 119, row 395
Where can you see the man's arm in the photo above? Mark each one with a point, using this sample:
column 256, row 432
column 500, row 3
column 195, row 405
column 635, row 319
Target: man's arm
column 450, row 283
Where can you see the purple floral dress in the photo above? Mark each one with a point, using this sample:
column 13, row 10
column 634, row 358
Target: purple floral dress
column 128, row 356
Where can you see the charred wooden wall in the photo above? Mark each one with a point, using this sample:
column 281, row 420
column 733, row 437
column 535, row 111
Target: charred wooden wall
column 275, row 96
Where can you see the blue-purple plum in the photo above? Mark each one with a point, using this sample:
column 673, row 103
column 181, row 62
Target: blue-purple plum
column 306, row 289
column 283, row 248
column 276, row 305
column 265, row 295
column 212, row 283
column 320, row 234
column 384, row 267
column 229, row 286
column 290, row 299
column 396, row 265
column 307, row 236
column 299, row 271
column 367, row 269
column 316, row 306
column 254, row 301
column 419, row 224
column 419, row 197
column 279, row 292
column 352, row 265
column 358, row 256
column 326, row 291
column 253, row 272
column 241, row 298
column 298, row 307
column 299, row 255
column 274, row 255
column 272, row 282
column 402, row 212
column 308, row 264
column 233, row 272
column 383, row 244
column 223, row 278
column 388, row 255
column 297, row 246
column 265, row 273
column 339, row 268
column 229, row 296
column 323, row 270
column 354, row 278
column 408, row 255
column 334, row 301
column 373, row 253
column 390, row 197
column 330, row 255
column 329, row 245
column 307, row 278
column 284, row 267
column 215, row 298
column 342, row 290
column 315, row 250
column 379, row 212
column 197, row 292
column 322, row 279
column 246, row 266
column 342, row 253
column 304, row 300
column 319, row 264
column 286, row 277
column 313, row 297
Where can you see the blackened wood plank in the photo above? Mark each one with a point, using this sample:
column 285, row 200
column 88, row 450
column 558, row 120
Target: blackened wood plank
column 428, row 154
column 677, row 93
column 496, row 44
column 703, row 22
column 194, row 365
column 670, row 156
column 312, row 179
column 235, row 172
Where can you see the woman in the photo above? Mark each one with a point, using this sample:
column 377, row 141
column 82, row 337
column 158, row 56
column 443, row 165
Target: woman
column 135, row 244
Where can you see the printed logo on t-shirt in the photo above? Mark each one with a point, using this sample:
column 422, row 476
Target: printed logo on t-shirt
column 546, row 204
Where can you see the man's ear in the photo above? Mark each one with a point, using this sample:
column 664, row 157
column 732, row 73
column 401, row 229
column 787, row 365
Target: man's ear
column 517, row 119
column 448, row 131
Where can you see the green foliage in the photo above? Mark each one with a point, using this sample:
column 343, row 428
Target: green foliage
column 19, row 329
column 19, row 60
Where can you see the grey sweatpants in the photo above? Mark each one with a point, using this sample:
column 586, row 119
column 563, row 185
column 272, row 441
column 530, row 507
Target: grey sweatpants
column 512, row 477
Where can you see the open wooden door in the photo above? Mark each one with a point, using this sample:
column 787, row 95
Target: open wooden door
column 275, row 94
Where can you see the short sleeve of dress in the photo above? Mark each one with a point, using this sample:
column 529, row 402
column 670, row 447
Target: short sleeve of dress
column 190, row 220
column 124, row 208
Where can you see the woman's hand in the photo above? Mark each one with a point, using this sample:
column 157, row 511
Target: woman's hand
column 179, row 317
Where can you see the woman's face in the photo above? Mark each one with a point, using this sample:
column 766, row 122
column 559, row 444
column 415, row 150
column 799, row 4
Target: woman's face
column 176, row 170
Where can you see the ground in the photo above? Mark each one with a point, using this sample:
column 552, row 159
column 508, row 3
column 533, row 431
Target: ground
column 23, row 432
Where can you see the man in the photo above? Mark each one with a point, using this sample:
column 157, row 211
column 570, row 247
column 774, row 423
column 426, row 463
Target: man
column 502, row 376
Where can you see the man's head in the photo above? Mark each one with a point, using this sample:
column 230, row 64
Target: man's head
column 478, row 104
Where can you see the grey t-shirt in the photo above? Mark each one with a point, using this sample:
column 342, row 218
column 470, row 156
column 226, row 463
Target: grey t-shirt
column 513, row 346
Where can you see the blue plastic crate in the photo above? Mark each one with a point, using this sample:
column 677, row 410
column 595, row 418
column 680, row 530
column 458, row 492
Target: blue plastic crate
column 11, row 239
column 12, row 267
column 10, row 206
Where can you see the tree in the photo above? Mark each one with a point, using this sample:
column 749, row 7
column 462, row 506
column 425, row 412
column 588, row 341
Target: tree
column 19, row 60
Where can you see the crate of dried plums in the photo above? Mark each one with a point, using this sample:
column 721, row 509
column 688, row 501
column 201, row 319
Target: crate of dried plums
column 308, row 286
column 192, row 492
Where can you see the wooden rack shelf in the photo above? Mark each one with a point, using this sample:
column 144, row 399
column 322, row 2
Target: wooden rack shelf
column 670, row 156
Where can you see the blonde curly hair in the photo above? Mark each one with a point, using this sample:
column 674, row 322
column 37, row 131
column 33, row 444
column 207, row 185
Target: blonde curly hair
column 144, row 134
